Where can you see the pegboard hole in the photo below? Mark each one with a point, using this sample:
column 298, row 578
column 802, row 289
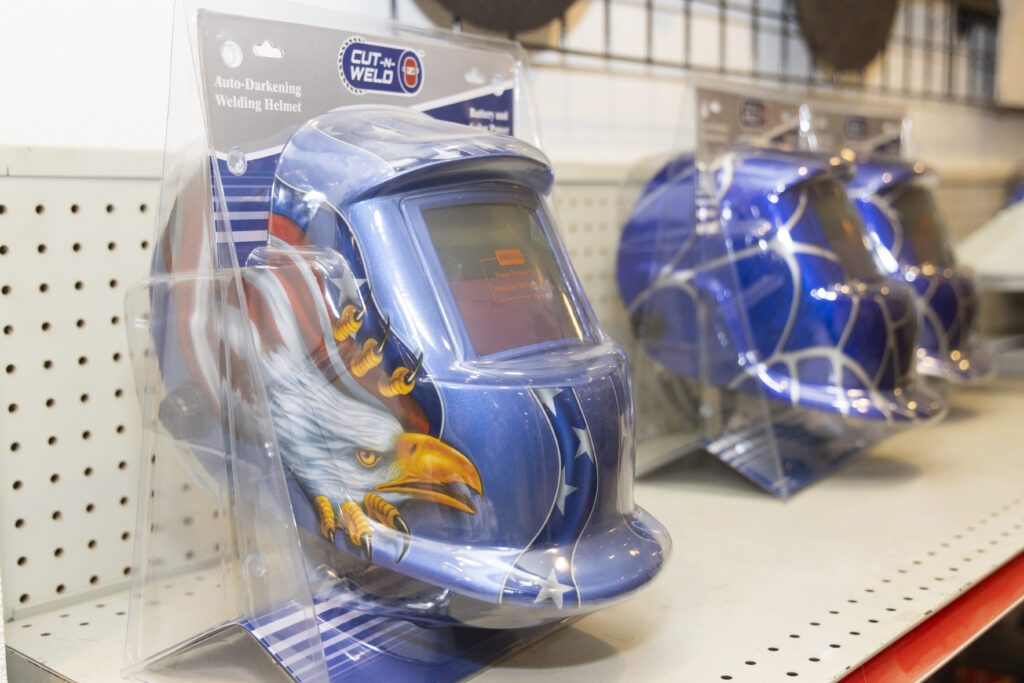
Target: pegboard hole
column 52, row 441
column 127, row 571
column 82, row 360
column 144, row 244
column 40, row 209
column 24, row 598
column 110, row 208
column 124, row 500
column 118, row 393
column 120, row 429
column 872, row 621
column 87, row 471
column 111, row 246
column 117, row 356
column 813, row 659
column 122, row 465
column 113, row 283
column 91, row 544
column 726, row 678
column 94, row 579
column 57, row 516
column 8, row 329
column 22, row 561
column 3, row 249
column 84, row 398
column 50, row 402
column 10, row 369
column 80, row 323
column 74, row 208
column 115, row 320
column 13, row 408
column 773, row 649
column 750, row 662
column 90, row 507
column 47, row 364
column 835, row 645
column 43, row 287
column 86, row 435
column 41, row 248
column 18, row 523
column 79, row 285
column 854, row 633
column 54, row 478
column 815, row 623
column 792, row 673
column 143, row 208
column 60, row 588
column 45, row 327
column 125, row 536
column 5, row 290
column 794, row 635
column 58, row 552
column 3, row 209
column 17, row 482
column 77, row 246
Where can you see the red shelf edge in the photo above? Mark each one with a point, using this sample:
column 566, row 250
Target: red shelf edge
column 934, row 641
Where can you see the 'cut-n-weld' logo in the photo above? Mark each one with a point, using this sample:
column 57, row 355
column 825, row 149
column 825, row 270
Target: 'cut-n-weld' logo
column 367, row 66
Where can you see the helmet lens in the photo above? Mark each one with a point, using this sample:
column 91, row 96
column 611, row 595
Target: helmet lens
column 925, row 235
column 843, row 230
column 503, row 274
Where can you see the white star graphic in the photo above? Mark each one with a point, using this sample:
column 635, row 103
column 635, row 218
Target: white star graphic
column 585, row 445
column 342, row 283
column 562, row 494
column 547, row 397
column 550, row 588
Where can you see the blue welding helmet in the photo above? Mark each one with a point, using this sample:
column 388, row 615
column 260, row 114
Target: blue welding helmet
column 911, row 244
column 780, row 295
column 448, row 411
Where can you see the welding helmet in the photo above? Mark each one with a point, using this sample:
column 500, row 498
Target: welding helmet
column 911, row 243
column 451, row 417
column 779, row 295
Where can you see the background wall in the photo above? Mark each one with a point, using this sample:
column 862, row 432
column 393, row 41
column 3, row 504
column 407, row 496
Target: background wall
column 89, row 75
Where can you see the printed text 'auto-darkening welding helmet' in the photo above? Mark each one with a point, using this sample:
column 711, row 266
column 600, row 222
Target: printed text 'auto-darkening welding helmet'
column 791, row 273
column 911, row 243
column 444, row 402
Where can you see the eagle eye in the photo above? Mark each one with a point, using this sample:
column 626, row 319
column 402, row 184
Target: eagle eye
column 366, row 457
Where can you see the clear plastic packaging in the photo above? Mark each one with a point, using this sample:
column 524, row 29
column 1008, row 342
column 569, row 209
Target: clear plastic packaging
column 364, row 341
column 754, row 296
column 909, row 237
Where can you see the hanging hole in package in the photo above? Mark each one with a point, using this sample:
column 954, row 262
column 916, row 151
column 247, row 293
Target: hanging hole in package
column 363, row 341
column 758, row 310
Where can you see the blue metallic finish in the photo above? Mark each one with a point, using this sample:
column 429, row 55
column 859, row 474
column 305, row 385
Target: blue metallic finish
column 945, row 293
column 763, row 300
column 551, row 531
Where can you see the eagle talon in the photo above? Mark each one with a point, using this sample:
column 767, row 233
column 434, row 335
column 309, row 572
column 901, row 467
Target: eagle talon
column 366, row 543
column 325, row 511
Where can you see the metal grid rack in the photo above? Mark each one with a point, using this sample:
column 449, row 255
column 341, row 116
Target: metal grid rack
column 937, row 50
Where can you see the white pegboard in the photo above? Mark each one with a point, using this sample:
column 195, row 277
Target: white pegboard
column 69, row 424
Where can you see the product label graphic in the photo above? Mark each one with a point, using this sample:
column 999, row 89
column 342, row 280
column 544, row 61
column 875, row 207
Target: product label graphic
column 367, row 66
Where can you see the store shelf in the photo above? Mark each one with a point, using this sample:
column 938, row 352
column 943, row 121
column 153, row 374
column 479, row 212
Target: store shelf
column 758, row 589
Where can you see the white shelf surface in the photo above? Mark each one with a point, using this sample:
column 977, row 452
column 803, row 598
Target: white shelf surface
column 757, row 589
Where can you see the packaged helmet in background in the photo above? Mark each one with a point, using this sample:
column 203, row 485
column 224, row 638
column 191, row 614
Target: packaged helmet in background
column 911, row 243
column 828, row 331
column 757, row 309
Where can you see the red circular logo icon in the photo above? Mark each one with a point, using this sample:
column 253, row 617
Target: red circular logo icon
column 410, row 71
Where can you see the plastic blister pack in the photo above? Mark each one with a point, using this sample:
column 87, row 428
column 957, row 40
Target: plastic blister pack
column 908, row 236
column 753, row 294
column 364, row 339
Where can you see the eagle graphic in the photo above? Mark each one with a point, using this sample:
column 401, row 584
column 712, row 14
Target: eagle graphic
column 335, row 411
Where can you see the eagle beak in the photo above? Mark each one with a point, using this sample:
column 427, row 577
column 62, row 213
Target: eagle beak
column 429, row 471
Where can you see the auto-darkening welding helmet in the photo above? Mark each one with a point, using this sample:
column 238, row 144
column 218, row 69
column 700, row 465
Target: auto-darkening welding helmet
column 444, row 401
column 911, row 244
column 781, row 291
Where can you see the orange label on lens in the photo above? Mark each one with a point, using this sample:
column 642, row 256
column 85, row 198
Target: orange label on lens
column 509, row 257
